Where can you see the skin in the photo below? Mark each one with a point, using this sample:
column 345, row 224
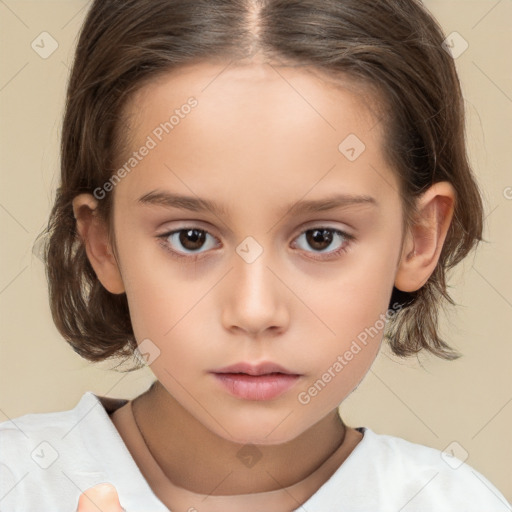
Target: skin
column 255, row 144
column 101, row 497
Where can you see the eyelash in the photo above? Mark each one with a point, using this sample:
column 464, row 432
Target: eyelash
column 195, row 257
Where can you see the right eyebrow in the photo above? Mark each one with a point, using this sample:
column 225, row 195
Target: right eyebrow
column 171, row 200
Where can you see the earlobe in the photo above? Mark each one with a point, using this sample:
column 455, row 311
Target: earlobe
column 94, row 234
column 424, row 241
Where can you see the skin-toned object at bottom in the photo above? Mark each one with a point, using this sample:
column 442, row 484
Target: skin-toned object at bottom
column 102, row 497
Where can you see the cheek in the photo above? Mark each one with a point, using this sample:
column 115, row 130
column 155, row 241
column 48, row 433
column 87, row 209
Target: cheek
column 158, row 307
column 341, row 364
column 155, row 295
column 169, row 311
column 356, row 293
column 353, row 305
column 156, row 300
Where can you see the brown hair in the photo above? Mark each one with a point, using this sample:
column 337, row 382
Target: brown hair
column 393, row 46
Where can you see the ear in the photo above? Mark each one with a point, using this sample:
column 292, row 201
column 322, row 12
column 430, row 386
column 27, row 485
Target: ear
column 94, row 234
column 424, row 240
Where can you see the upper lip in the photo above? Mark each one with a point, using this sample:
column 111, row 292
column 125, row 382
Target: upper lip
column 254, row 369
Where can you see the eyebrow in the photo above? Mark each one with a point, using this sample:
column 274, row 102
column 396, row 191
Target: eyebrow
column 197, row 204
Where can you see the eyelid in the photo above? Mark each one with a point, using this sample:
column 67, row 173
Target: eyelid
column 348, row 240
column 178, row 255
column 168, row 232
column 326, row 224
column 314, row 224
column 311, row 255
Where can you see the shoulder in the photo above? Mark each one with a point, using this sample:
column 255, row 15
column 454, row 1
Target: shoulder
column 27, row 434
column 427, row 477
column 28, row 431
column 37, row 451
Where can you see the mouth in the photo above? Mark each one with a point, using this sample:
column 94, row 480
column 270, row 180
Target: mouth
column 265, row 368
column 264, row 381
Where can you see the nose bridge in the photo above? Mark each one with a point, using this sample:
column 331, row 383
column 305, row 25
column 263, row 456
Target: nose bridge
column 255, row 298
column 254, row 282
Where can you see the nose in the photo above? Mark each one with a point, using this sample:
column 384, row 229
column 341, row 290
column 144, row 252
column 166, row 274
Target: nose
column 255, row 298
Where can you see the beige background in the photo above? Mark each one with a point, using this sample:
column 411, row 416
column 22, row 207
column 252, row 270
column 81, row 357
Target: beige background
column 434, row 403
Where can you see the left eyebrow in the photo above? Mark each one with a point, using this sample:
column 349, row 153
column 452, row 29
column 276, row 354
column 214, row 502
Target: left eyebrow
column 197, row 204
column 330, row 203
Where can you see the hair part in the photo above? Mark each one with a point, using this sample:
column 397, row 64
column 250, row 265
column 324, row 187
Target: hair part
column 391, row 46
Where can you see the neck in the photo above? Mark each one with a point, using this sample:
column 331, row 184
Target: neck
column 177, row 441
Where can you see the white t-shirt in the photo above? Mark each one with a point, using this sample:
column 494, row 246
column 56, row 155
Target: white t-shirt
column 48, row 459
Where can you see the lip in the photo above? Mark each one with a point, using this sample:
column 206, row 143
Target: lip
column 255, row 369
column 257, row 387
column 263, row 381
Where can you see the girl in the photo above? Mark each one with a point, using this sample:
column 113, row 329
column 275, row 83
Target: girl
column 251, row 191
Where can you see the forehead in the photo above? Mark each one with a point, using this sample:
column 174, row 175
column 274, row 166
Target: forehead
column 254, row 91
column 259, row 128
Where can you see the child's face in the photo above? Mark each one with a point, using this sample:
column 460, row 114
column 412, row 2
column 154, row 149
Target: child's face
column 255, row 144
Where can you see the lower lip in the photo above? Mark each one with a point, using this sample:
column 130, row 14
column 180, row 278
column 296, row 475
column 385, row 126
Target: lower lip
column 257, row 387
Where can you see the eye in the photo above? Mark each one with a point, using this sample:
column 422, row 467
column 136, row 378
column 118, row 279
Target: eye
column 187, row 240
column 321, row 238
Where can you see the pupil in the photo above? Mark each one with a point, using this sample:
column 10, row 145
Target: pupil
column 317, row 238
column 192, row 238
column 323, row 237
